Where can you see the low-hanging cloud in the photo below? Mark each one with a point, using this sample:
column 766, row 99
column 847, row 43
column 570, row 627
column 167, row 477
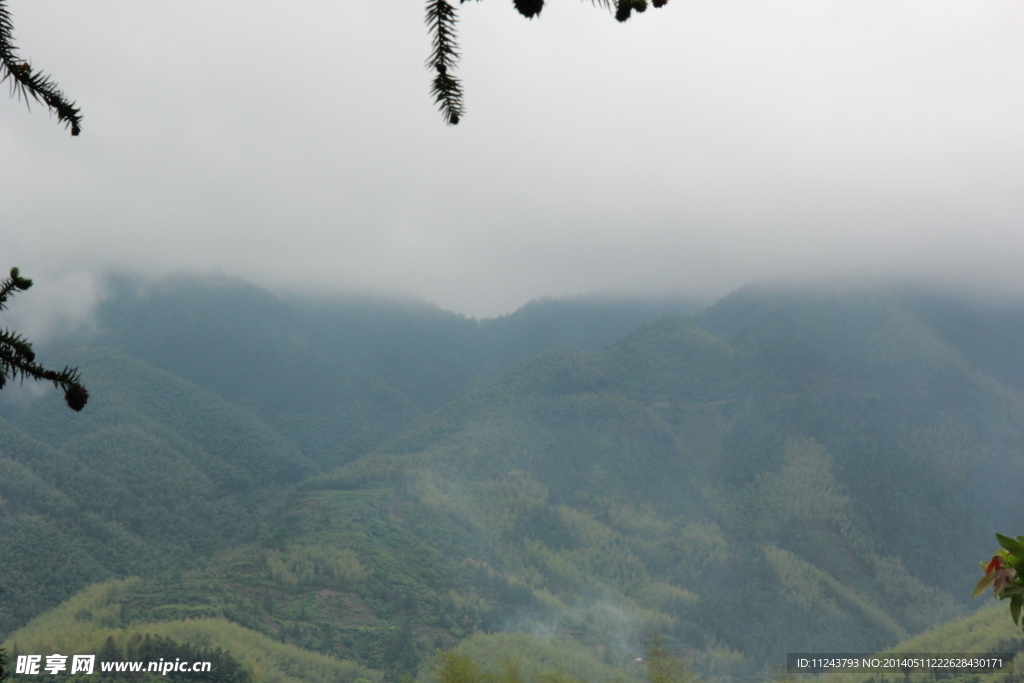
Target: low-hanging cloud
column 693, row 149
column 60, row 304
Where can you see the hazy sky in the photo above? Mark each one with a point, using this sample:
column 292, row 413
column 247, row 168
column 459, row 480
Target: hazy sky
column 692, row 149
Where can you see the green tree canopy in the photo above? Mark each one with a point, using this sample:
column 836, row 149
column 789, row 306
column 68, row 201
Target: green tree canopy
column 663, row 666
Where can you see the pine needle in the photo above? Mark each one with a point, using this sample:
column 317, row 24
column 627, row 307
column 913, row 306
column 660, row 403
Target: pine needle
column 446, row 89
column 28, row 83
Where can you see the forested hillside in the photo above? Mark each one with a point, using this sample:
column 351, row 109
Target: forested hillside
column 228, row 395
column 339, row 375
column 375, row 482
column 158, row 473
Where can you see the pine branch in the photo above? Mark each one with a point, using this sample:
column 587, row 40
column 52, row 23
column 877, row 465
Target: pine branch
column 27, row 83
column 12, row 284
column 17, row 359
column 446, row 89
column 441, row 21
column 16, row 347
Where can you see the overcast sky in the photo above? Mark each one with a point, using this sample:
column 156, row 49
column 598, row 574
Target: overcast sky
column 691, row 150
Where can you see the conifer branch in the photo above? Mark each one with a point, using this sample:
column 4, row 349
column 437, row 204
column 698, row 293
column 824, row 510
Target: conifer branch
column 446, row 89
column 17, row 359
column 27, row 83
column 441, row 21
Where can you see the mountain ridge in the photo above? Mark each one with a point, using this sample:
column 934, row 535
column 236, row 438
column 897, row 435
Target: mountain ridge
column 772, row 474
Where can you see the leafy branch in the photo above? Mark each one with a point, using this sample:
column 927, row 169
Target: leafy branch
column 17, row 359
column 28, row 83
column 1005, row 574
column 444, row 56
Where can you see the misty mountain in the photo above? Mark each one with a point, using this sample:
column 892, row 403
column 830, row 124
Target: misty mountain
column 784, row 471
column 158, row 473
column 369, row 363
column 166, row 469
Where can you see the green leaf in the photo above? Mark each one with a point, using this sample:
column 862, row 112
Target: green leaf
column 1015, row 605
column 983, row 585
column 1014, row 561
column 1011, row 544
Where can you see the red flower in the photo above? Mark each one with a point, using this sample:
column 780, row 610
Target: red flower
column 1001, row 574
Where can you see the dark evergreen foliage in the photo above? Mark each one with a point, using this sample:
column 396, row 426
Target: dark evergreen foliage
column 446, row 89
column 442, row 20
column 17, row 359
column 28, row 83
